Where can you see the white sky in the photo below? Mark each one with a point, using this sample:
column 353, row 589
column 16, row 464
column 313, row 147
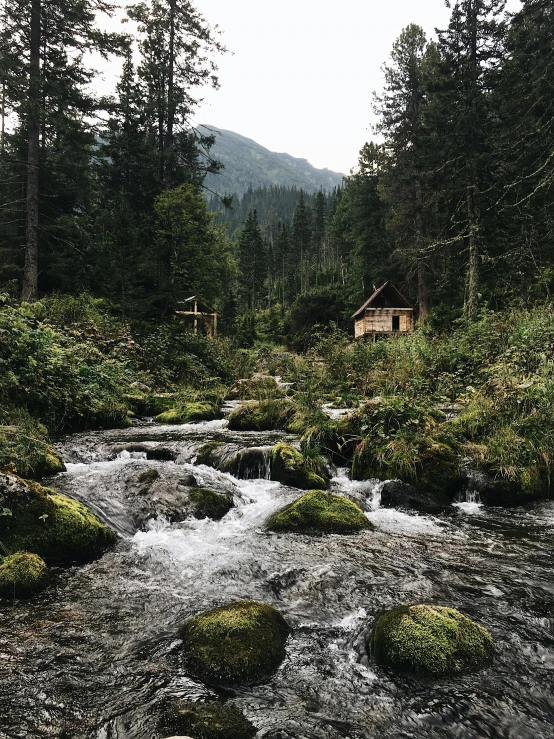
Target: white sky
column 302, row 72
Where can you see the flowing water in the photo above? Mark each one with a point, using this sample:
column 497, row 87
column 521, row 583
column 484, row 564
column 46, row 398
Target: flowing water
column 96, row 656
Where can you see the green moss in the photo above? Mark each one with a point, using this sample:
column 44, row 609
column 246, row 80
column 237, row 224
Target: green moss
column 209, row 504
column 430, row 464
column 318, row 511
column 188, row 412
column 148, row 477
column 49, row 524
column 209, row 721
column 430, row 640
column 240, row 643
column 291, row 467
column 205, row 454
column 26, row 455
column 22, row 574
column 266, row 415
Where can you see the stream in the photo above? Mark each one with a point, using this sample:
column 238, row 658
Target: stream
column 96, row 656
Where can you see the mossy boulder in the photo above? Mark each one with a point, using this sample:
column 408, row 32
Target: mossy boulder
column 431, row 464
column 240, row 643
column 44, row 522
column 291, row 467
column 22, row 574
column 209, row 721
column 209, row 504
column 430, row 640
column 188, row 413
column 266, row 415
column 319, row 511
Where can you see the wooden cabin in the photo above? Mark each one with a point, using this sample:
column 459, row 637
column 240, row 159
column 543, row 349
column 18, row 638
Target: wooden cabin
column 386, row 312
column 203, row 316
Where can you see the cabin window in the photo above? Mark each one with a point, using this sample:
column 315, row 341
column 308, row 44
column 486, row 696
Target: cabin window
column 396, row 323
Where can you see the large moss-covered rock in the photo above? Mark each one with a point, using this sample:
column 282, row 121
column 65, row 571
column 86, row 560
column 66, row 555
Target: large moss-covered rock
column 209, row 504
column 209, row 721
column 291, row 467
column 21, row 575
column 266, row 415
column 430, row 640
column 189, row 412
column 39, row 520
column 319, row 511
column 240, row 643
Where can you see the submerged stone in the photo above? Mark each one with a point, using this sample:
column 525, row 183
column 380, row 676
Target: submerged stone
column 240, row 643
column 209, row 721
column 320, row 512
column 44, row 522
column 209, row 504
column 291, row 467
column 430, row 640
column 22, row 574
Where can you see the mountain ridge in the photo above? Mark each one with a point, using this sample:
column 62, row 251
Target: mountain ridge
column 249, row 164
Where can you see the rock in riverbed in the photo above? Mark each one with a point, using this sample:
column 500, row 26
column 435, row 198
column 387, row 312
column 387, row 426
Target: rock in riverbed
column 243, row 642
column 44, row 522
column 22, row 574
column 430, row 640
column 209, row 721
column 320, row 512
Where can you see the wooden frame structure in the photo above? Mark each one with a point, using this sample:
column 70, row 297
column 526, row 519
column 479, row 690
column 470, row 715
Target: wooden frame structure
column 387, row 312
column 208, row 315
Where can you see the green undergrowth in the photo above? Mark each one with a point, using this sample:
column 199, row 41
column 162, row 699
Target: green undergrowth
column 430, row 640
column 320, row 512
column 264, row 415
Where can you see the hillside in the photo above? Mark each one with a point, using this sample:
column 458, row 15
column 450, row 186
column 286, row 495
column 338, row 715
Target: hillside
column 250, row 164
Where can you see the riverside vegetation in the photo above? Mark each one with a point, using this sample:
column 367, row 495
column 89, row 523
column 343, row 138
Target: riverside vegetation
column 439, row 412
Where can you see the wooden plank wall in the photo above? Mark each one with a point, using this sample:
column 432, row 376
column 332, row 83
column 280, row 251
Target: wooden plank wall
column 379, row 321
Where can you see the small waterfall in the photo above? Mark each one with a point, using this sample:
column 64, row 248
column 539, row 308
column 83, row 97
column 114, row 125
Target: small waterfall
column 253, row 463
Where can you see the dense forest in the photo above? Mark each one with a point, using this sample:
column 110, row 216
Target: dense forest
column 453, row 199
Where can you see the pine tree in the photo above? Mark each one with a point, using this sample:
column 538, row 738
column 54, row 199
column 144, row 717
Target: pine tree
column 252, row 261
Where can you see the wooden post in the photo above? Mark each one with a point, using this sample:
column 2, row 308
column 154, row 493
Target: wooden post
column 215, row 325
column 195, row 316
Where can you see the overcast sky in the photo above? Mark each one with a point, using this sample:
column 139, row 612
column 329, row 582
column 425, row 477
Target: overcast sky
column 302, row 72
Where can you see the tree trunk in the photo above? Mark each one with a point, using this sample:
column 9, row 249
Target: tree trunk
column 29, row 291
column 170, row 97
column 472, row 307
column 422, row 281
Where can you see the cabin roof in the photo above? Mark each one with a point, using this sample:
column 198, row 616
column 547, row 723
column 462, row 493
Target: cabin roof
column 202, row 302
column 389, row 291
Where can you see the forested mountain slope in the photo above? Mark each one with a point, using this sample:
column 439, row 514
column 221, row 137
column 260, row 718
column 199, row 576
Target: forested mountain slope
column 248, row 164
